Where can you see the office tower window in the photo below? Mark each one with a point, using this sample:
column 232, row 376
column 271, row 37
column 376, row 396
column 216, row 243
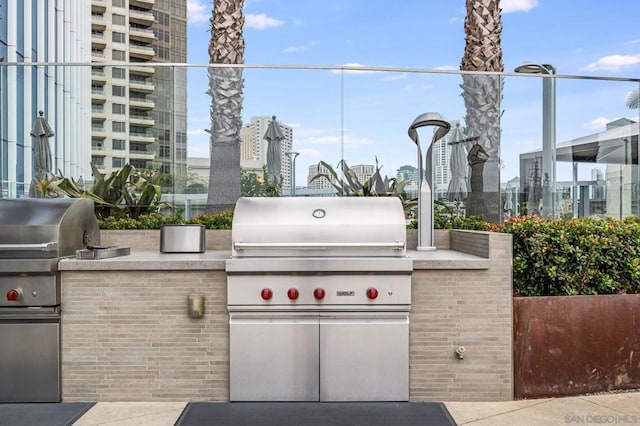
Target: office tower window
column 118, row 127
column 118, row 109
column 118, row 144
column 117, row 37
column 118, row 73
column 118, row 19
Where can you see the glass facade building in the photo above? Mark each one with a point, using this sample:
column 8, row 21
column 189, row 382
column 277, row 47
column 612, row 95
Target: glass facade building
column 44, row 31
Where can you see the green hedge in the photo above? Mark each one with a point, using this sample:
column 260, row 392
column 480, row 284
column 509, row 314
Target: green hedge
column 156, row 220
column 574, row 257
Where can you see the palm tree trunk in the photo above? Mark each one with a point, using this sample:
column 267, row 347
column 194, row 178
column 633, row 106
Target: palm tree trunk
column 482, row 95
column 225, row 87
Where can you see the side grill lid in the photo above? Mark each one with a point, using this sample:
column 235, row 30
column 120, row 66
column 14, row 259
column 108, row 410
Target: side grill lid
column 46, row 228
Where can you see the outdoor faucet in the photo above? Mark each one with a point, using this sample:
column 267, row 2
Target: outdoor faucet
column 425, row 196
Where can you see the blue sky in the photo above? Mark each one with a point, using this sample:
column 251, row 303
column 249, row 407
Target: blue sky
column 366, row 115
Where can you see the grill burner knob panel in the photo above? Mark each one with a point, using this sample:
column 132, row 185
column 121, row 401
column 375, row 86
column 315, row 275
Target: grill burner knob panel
column 14, row 295
column 372, row 293
column 266, row 294
column 292, row 293
column 319, row 293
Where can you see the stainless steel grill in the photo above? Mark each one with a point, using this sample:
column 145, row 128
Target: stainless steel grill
column 319, row 291
column 34, row 235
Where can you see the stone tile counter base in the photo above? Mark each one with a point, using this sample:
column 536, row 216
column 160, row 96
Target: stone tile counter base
column 126, row 335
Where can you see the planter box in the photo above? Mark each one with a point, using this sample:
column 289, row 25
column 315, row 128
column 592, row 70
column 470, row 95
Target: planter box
column 571, row 345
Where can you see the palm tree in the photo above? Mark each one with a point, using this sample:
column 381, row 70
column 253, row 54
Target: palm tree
column 225, row 87
column 482, row 95
column 633, row 99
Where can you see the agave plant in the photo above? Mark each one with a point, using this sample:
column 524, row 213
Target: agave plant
column 124, row 193
column 375, row 186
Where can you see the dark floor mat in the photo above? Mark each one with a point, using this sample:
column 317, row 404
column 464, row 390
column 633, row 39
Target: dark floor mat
column 45, row 414
column 315, row 414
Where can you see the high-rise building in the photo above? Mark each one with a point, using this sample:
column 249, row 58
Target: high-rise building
column 407, row 173
column 441, row 162
column 363, row 172
column 45, row 32
column 321, row 183
column 139, row 112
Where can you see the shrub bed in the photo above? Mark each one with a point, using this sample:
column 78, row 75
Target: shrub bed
column 574, row 257
column 156, row 220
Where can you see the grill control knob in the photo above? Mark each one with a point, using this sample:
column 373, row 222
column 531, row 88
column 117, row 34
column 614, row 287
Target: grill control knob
column 372, row 293
column 292, row 293
column 318, row 293
column 266, row 293
column 14, row 295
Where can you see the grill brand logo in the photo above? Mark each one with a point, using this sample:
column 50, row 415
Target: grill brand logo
column 345, row 293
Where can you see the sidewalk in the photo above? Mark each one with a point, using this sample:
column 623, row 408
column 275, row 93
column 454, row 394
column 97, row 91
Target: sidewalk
column 607, row 409
column 614, row 408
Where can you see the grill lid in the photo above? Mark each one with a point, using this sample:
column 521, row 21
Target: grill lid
column 46, row 228
column 318, row 226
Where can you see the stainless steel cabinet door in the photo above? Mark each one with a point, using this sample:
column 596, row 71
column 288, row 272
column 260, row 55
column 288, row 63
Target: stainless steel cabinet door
column 364, row 357
column 29, row 360
column 273, row 357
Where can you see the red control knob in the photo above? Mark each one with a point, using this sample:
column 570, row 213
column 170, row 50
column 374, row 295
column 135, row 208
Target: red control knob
column 13, row 295
column 318, row 293
column 266, row 293
column 372, row 293
column 293, row 293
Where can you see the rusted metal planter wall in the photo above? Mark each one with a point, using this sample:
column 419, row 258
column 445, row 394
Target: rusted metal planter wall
column 570, row 345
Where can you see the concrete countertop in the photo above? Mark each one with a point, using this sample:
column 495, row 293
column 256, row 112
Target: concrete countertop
column 215, row 260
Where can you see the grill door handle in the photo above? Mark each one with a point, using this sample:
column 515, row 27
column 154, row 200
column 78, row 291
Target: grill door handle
column 239, row 245
column 52, row 246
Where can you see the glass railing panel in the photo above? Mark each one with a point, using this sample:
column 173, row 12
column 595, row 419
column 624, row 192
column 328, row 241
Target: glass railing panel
column 355, row 116
column 593, row 163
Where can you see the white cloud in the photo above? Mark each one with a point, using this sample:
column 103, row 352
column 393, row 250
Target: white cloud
column 598, row 123
column 417, row 87
column 613, row 63
column 447, row 68
column 395, row 77
column 261, row 21
column 303, row 48
column 509, row 6
column 197, row 12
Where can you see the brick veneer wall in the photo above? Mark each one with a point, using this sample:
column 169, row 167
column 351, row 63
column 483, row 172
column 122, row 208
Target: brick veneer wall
column 470, row 308
column 126, row 336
